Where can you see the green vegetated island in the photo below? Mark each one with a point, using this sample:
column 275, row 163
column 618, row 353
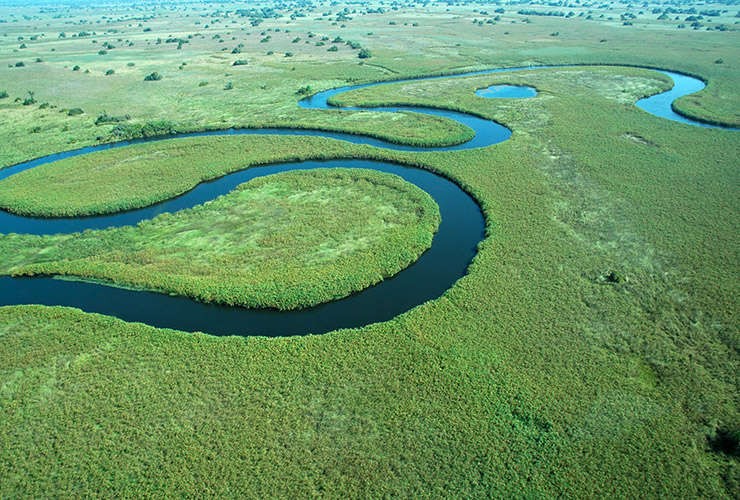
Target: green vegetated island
column 591, row 349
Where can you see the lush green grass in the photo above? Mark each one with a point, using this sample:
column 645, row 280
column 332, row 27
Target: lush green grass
column 285, row 241
column 141, row 175
column 591, row 351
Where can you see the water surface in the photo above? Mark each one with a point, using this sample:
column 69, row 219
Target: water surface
column 507, row 92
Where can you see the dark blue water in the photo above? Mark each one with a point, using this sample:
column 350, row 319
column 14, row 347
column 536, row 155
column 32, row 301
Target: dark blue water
column 507, row 92
column 662, row 104
column 453, row 248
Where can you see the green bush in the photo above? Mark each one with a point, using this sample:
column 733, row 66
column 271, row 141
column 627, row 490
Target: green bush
column 240, row 62
column 149, row 129
column 104, row 118
column 153, row 77
column 75, row 112
column 29, row 99
column 305, row 90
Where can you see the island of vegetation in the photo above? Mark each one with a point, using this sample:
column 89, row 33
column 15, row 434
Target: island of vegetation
column 285, row 241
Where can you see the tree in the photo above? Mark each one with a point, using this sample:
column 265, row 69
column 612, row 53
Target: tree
column 364, row 54
column 30, row 98
column 304, row 90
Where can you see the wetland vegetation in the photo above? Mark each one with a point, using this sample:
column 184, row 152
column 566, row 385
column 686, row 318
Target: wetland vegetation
column 591, row 349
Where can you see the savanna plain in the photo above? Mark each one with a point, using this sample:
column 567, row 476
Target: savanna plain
column 590, row 350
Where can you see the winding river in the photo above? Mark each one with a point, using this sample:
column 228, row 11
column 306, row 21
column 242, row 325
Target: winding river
column 453, row 248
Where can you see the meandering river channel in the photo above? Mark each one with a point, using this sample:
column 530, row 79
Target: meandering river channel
column 453, row 248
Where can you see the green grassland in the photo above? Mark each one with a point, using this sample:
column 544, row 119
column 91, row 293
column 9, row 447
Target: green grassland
column 590, row 351
column 141, row 175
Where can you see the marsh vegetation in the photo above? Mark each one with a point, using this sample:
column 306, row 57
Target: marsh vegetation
column 591, row 345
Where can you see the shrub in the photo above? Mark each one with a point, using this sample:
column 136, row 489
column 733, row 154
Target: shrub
column 110, row 72
column 20, row 64
column 333, row 48
column 288, row 54
column 76, row 67
column 75, row 112
column 364, row 54
column 29, row 99
column 228, row 86
column 149, row 129
column 240, row 62
column 202, row 83
column 304, row 90
column 3, row 94
column 104, row 118
column 153, row 77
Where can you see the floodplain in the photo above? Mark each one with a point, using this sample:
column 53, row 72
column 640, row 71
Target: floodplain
column 589, row 348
